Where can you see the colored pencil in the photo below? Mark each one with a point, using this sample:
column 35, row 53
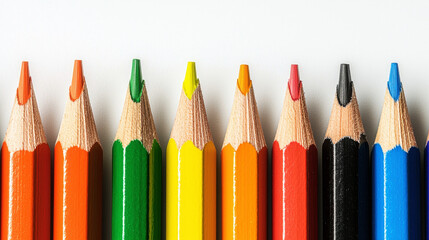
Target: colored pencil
column 294, row 168
column 136, row 159
column 244, row 167
column 191, row 168
column 345, row 167
column 426, row 187
column 26, row 169
column 78, row 168
column 395, row 169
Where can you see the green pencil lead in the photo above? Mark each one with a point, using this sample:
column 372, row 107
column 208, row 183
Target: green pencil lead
column 136, row 81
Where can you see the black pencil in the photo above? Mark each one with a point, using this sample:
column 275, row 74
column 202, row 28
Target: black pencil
column 345, row 164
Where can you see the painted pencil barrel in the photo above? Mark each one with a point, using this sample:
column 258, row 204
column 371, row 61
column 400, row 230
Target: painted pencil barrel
column 191, row 191
column 244, row 192
column 78, row 168
column 346, row 167
column 78, row 192
column 26, row 193
column 136, row 206
column 25, row 169
column 426, row 184
column 137, row 163
column 396, row 193
column 395, row 169
column 346, row 189
column 294, row 192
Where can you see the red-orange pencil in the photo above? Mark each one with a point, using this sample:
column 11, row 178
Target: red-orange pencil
column 26, row 169
column 78, row 168
column 294, row 169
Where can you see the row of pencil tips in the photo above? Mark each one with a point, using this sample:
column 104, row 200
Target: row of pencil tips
column 364, row 196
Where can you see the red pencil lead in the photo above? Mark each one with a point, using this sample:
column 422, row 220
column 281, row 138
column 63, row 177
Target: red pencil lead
column 294, row 82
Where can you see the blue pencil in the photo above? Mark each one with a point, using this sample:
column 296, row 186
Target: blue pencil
column 395, row 169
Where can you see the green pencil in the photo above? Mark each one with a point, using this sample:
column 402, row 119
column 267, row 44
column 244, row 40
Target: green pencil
column 136, row 157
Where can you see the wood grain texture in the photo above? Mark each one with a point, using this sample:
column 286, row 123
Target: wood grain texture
column 294, row 124
column 394, row 127
column 191, row 122
column 244, row 124
column 345, row 121
column 137, row 122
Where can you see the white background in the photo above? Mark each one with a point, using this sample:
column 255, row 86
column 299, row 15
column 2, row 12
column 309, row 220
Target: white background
column 219, row 36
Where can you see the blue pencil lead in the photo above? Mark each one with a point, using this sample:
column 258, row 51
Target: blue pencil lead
column 394, row 83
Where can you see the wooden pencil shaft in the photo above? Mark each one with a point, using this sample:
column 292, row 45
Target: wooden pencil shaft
column 294, row 192
column 136, row 170
column 191, row 168
column 396, row 212
column 25, row 169
column 78, row 168
column 294, row 169
column 244, row 167
column 426, row 184
column 346, row 179
column 136, row 206
column 346, row 167
column 244, row 180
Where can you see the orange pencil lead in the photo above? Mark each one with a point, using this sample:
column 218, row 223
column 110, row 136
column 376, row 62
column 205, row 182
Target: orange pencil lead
column 24, row 84
column 243, row 81
column 77, row 81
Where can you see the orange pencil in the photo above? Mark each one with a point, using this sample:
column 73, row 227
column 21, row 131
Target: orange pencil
column 26, row 169
column 78, row 168
column 244, row 168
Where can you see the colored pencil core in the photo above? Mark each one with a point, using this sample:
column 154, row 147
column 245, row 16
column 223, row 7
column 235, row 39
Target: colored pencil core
column 191, row 81
column 294, row 82
column 136, row 82
column 24, row 84
column 243, row 80
column 77, row 81
column 344, row 87
column 394, row 83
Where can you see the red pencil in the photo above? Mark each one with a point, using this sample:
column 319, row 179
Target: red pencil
column 294, row 169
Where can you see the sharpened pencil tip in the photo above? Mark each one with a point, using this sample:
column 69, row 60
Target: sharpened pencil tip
column 136, row 82
column 294, row 82
column 243, row 80
column 24, row 86
column 191, row 81
column 394, row 83
column 344, row 87
column 77, row 81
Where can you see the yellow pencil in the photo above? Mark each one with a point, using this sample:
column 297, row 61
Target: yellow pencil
column 191, row 168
